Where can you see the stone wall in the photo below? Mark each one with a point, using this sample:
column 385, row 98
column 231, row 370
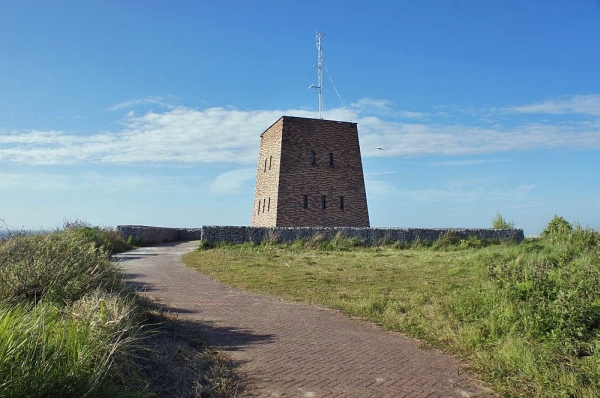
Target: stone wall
column 235, row 234
column 149, row 235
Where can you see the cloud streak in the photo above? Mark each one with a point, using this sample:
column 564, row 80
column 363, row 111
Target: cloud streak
column 142, row 101
column 232, row 181
column 401, row 139
column 575, row 104
column 227, row 135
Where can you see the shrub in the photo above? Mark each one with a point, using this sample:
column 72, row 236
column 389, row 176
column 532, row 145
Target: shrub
column 113, row 241
column 553, row 299
column 557, row 228
column 106, row 238
column 59, row 267
column 205, row 245
column 555, row 283
column 498, row 222
column 472, row 242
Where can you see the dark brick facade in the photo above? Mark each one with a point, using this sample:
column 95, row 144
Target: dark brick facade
column 310, row 174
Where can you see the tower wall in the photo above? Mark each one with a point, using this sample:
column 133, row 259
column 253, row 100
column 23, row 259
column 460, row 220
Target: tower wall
column 267, row 177
column 319, row 179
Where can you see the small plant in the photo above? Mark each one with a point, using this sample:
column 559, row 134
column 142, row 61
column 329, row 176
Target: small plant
column 446, row 241
column 498, row 222
column 557, row 228
column 271, row 237
column 315, row 241
column 204, row 245
column 472, row 242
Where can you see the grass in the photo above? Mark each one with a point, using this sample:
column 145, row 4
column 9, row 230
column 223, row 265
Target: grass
column 70, row 327
column 526, row 317
column 177, row 362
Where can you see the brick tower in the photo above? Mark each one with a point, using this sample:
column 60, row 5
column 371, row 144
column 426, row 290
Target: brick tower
column 310, row 174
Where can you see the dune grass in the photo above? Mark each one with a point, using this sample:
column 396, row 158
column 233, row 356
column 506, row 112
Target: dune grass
column 69, row 327
column 525, row 317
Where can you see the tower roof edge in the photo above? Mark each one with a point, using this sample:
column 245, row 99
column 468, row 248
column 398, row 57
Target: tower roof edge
column 291, row 118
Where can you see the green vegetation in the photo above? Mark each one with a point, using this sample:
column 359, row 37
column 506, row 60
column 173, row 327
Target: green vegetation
column 525, row 316
column 69, row 327
column 498, row 222
column 66, row 322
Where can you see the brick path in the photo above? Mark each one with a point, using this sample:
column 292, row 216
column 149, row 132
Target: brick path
column 293, row 349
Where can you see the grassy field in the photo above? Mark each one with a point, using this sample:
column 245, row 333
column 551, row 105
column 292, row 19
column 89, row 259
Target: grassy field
column 69, row 327
column 526, row 317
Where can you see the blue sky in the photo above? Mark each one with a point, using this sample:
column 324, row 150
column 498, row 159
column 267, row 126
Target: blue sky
column 150, row 112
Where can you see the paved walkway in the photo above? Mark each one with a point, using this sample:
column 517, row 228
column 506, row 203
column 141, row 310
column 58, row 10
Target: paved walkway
column 293, row 349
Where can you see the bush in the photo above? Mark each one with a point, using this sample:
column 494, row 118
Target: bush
column 554, row 283
column 557, row 228
column 205, row 245
column 554, row 299
column 59, row 267
column 498, row 222
column 106, row 238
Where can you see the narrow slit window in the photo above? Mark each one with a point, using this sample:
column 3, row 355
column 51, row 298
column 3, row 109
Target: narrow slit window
column 331, row 159
column 270, row 160
column 313, row 158
column 341, row 203
column 265, row 165
column 269, row 204
column 305, row 201
column 324, row 201
column 258, row 210
column 264, row 204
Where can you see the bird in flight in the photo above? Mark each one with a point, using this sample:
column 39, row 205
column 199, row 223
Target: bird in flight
column 381, row 149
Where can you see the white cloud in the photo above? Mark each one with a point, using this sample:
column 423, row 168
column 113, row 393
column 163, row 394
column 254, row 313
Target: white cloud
column 575, row 104
column 143, row 101
column 41, row 182
column 379, row 187
column 383, row 107
column 232, row 181
column 470, row 192
column 401, row 139
column 92, row 181
column 228, row 135
column 474, row 162
column 180, row 135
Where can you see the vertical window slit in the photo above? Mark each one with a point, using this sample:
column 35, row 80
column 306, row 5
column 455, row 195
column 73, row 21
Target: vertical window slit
column 305, row 200
column 324, row 200
column 313, row 157
column 331, row 158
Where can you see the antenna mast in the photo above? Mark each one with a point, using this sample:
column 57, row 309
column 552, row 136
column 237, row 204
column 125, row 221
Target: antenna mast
column 319, row 66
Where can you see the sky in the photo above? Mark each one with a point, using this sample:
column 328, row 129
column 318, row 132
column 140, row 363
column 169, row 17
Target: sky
column 150, row 112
